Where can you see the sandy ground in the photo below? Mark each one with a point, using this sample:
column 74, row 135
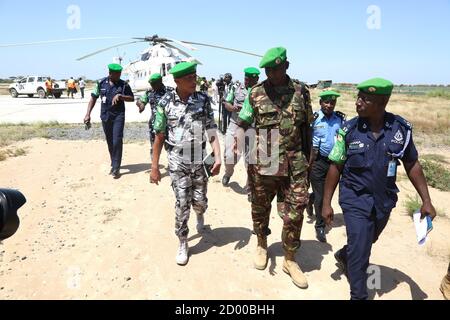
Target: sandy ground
column 85, row 235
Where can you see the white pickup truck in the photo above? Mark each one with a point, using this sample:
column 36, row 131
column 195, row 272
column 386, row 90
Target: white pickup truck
column 32, row 85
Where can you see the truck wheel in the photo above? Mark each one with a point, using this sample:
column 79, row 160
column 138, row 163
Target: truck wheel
column 13, row 93
column 41, row 93
column 30, row 95
column 57, row 95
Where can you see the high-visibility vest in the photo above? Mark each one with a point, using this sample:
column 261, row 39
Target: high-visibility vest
column 71, row 83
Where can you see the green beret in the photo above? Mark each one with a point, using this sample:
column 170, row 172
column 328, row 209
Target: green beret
column 376, row 86
column 183, row 68
column 273, row 58
column 155, row 77
column 329, row 95
column 115, row 67
column 251, row 72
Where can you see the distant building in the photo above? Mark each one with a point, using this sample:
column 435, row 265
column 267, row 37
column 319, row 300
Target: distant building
column 322, row 84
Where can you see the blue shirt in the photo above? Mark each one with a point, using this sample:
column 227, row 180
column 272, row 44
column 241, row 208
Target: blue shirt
column 324, row 132
column 106, row 92
column 365, row 183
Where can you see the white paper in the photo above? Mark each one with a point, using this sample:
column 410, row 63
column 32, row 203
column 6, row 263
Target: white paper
column 421, row 226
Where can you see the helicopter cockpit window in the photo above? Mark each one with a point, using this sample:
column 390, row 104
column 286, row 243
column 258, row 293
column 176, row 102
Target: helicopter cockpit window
column 145, row 56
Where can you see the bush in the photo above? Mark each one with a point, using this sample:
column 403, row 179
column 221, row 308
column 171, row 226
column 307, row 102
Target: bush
column 439, row 93
column 437, row 175
column 412, row 204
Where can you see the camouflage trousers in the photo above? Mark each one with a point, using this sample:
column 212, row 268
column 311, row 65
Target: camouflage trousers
column 292, row 198
column 190, row 184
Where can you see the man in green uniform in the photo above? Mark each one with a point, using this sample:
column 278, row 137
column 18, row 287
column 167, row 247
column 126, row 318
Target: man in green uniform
column 281, row 110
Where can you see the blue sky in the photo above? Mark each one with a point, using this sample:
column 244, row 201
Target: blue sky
column 325, row 39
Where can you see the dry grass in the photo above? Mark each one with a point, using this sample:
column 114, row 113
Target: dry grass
column 10, row 133
column 430, row 116
column 12, row 153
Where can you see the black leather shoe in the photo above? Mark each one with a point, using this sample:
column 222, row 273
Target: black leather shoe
column 111, row 171
column 116, row 173
column 342, row 264
column 225, row 181
column 320, row 235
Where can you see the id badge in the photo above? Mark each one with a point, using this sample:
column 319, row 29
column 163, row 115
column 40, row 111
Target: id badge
column 392, row 168
column 104, row 99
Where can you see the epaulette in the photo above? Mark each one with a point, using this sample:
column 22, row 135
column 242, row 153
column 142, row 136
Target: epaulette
column 341, row 115
column 350, row 124
column 404, row 122
column 316, row 115
column 102, row 80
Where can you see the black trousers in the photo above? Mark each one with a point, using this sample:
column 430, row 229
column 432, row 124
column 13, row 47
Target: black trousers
column 226, row 115
column 113, row 129
column 318, row 174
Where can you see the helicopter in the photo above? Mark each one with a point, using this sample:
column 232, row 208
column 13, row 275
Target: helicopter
column 159, row 57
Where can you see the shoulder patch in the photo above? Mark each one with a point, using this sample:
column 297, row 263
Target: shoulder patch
column 316, row 115
column 165, row 100
column 404, row 122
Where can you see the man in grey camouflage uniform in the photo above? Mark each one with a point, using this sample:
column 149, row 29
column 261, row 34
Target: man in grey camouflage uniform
column 186, row 115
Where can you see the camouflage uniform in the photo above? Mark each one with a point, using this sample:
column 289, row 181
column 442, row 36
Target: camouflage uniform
column 288, row 110
column 152, row 97
column 184, row 125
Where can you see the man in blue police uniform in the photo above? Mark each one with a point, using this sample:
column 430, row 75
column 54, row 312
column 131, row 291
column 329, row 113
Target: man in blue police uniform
column 152, row 97
column 113, row 93
column 367, row 153
column 325, row 127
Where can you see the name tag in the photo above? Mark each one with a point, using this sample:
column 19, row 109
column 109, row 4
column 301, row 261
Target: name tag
column 392, row 168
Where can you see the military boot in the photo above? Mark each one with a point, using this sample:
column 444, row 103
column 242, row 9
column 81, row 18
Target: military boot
column 260, row 260
column 183, row 252
column 291, row 267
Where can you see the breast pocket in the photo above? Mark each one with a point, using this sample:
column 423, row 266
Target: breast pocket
column 356, row 158
column 268, row 117
column 299, row 114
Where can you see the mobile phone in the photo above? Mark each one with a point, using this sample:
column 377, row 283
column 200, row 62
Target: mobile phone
column 429, row 224
column 208, row 164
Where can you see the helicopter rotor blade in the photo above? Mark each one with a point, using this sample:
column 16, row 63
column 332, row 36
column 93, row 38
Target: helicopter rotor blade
column 183, row 44
column 224, row 48
column 183, row 52
column 56, row 41
column 108, row 48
